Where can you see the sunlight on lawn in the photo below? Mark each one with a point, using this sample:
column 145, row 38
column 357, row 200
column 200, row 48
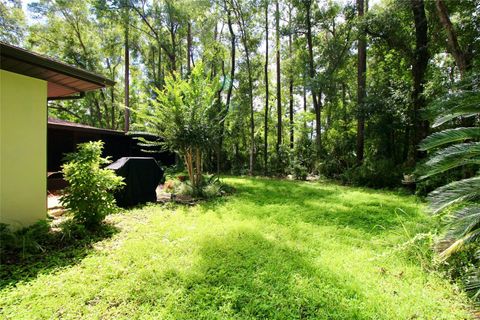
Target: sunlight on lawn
column 275, row 249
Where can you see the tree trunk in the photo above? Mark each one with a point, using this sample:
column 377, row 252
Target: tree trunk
column 304, row 101
column 173, row 55
column 419, row 68
column 290, row 94
column 98, row 113
column 112, row 93
column 279, row 88
column 455, row 49
column 194, row 165
column 198, row 171
column 265, row 143
column 189, row 46
column 230, row 87
column 361, row 82
column 290, row 84
column 252, row 122
column 250, row 88
column 112, row 96
column 159, row 68
column 344, row 110
column 232, row 60
column 316, row 106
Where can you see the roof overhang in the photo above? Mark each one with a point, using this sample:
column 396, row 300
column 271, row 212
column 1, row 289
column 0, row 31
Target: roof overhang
column 58, row 124
column 63, row 80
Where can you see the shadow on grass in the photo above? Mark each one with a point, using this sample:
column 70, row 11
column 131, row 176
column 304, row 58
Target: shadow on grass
column 246, row 276
column 46, row 251
column 370, row 211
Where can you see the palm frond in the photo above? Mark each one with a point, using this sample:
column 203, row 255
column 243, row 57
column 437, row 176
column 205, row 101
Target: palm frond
column 449, row 136
column 451, row 157
column 472, row 283
column 458, row 100
column 134, row 134
column 464, row 221
column 459, row 244
column 457, row 147
column 441, row 120
column 454, row 192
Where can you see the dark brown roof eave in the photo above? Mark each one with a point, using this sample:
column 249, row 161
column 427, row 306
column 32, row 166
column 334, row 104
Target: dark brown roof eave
column 58, row 124
column 40, row 61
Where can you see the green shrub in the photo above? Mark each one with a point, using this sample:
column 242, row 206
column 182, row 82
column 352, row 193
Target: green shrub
column 210, row 187
column 184, row 188
column 374, row 174
column 280, row 160
column 72, row 231
column 89, row 195
column 175, row 171
column 214, row 187
column 304, row 152
column 212, row 191
column 299, row 171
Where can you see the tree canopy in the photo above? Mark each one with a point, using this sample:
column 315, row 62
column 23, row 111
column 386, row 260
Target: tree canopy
column 337, row 88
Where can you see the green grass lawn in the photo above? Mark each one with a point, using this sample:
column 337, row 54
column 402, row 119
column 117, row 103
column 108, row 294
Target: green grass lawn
column 274, row 250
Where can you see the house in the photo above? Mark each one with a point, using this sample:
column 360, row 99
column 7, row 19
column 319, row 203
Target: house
column 27, row 81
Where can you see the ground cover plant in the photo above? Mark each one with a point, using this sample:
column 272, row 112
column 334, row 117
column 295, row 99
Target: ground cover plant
column 275, row 249
column 44, row 247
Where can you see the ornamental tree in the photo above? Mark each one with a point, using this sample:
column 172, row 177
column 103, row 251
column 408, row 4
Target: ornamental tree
column 186, row 116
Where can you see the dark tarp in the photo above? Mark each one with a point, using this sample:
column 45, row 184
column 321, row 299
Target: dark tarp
column 141, row 176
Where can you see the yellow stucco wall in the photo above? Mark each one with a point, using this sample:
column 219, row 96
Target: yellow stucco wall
column 23, row 149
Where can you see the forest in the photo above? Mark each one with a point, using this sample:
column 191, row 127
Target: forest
column 341, row 89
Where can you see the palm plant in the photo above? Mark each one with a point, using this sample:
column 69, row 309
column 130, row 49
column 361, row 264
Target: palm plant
column 453, row 148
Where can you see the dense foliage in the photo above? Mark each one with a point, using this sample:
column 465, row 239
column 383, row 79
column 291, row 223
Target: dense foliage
column 89, row 194
column 342, row 92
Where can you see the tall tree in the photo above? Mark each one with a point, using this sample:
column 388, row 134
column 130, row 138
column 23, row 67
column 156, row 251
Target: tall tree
column 12, row 21
column 419, row 68
column 461, row 58
column 265, row 142
column 411, row 46
column 189, row 45
column 245, row 38
column 361, row 82
column 228, row 9
column 279, row 87
column 290, row 77
column 232, row 56
column 316, row 96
